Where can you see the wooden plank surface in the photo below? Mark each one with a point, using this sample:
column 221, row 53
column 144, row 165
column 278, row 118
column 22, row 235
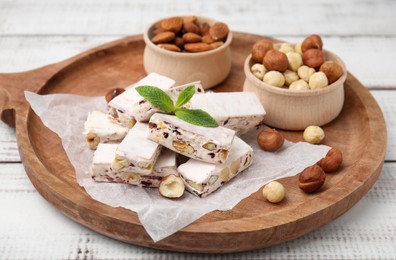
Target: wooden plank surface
column 101, row 17
column 364, row 232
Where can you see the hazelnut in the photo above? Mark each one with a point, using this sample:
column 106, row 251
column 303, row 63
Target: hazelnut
column 171, row 186
column 313, row 134
column 274, row 192
column 299, row 85
column 290, row 77
column 275, row 60
column 259, row 50
column 270, row 140
column 92, row 140
column 274, row 78
column 332, row 70
column 312, row 42
column 295, row 60
column 285, row 48
column 258, row 70
column 318, row 80
column 311, row 178
column 313, row 58
column 297, row 48
column 112, row 93
column 332, row 161
column 305, row 72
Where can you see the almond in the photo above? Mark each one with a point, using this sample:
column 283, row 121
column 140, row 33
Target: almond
column 163, row 37
column 173, row 24
column 179, row 42
column 197, row 47
column 216, row 44
column 207, row 39
column 158, row 31
column 191, row 27
column 204, row 29
column 218, row 31
column 169, row 47
column 192, row 19
column 191, row 37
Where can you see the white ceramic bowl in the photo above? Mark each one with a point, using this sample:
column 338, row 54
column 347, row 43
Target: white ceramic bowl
column 210, row 67
column 295, row 110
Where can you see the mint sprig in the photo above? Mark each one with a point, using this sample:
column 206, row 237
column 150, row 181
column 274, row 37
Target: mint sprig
column 164, row 102
column 196, row 117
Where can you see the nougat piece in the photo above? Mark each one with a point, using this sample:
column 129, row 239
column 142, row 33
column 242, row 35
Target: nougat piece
column 136, row 153
column 209, row 144
column 99, row 129
column 143, row 110
column 239, row 111
column 202, row 178
column 121, row 109
column 101, row 170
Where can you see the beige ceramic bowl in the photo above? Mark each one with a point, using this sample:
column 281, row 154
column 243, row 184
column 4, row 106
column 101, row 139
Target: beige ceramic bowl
column 295, row 110
column 210, row 67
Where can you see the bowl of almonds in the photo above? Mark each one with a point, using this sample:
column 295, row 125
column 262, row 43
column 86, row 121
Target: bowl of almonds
column 298, row 84
column 189, row 48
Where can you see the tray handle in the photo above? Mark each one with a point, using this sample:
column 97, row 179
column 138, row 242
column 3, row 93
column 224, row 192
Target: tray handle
column 13, row 85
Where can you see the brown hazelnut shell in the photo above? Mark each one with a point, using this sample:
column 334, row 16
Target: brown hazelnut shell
column 332, row 161
column 275, row 60
column 311, row 179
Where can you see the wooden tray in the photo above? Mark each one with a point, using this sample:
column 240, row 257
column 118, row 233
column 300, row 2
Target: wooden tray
column 359, row 132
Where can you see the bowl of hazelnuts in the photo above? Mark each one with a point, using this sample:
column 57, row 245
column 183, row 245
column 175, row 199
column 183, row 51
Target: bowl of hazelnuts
column 298, row 84
column 188, row 48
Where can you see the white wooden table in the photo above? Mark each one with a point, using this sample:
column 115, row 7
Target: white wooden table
column 36, row 33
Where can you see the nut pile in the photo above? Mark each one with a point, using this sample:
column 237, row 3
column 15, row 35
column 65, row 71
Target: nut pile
column 188, row 35
column 296, row 67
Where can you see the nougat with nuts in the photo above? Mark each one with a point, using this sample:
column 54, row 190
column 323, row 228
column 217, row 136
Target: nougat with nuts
column 206, row 144
column 239, row 111
column 102, row 171
column 202, row 178
column 125, row 107
column 136, row 153
column 99, row 129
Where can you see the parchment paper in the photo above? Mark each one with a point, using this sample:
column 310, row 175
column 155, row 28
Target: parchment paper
column 65, row 115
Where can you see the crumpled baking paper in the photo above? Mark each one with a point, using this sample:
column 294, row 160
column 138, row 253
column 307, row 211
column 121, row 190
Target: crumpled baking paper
column 65, row 114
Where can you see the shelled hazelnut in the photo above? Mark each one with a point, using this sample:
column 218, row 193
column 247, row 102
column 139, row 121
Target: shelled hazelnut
column 274, row 192
column 188, row 35
column 313, row 134
column 306, row 59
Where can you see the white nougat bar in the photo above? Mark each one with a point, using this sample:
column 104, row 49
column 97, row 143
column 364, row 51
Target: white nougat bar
column 202, row 178
column 101, row 170
column 143, row 110
column 99, row 129
column 136, row 153
column 239, row 111
column 209, row 144
column 122, row 107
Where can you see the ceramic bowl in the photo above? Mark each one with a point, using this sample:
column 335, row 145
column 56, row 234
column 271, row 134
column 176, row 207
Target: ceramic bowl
column 295, row 110
column 210, row 67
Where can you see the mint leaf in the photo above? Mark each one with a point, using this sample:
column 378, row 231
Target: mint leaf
column 157, row 97
column 196, row 117
column 185, row 96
